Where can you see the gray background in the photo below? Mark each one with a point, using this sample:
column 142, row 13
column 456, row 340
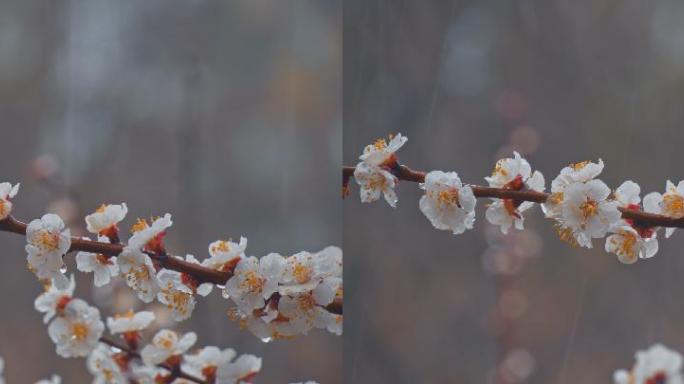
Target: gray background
column 225, row 114
column 468, row 82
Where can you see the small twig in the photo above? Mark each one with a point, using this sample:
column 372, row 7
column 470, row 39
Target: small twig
column 641, row 219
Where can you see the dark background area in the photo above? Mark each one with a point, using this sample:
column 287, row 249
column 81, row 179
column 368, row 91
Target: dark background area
column 468, row 82
column 225, row 114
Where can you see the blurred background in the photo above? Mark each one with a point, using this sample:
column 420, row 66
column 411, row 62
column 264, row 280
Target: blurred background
column 225, row 114
column 469, row 82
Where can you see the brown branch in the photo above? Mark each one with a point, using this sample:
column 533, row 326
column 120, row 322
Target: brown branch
column 200, row 273
column 641, row 219
column 175, row 372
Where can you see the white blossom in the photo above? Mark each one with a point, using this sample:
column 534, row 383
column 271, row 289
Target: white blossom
column 47, row 241
column 103, row 367
column 208, row 360
column 512, row 174
column 166, row 344
column 175, row 294
column 105, row 219
column 304, row 270
column 574, row 173
column 586, row 213
column 103, row 267
column 447, row 203
column 381, row 152
column 656, row 365
column 670, row 204
column 242, row 370
column 138, row 270
column 77, row 330
column 54, row 299
column 130, row 322
column 149, row 237
column 224, row 254
column 7, row 193
column 375, row 181
column 255, row 280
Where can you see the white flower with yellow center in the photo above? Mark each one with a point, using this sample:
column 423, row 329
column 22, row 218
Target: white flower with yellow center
column 130, row 322
column 54, row 300
column 208, row 360
column 447, row 203
column 103, row 267
column 138, row 270
column 574, row 173
column 103, row 367
column 512, row 174
column 631, row 242
column 305, row 311
column 255, row 280
column 47, row 241
column 105, row 219
column 148, row 237
column 586, row 213
column 242, row 370
column 304, row 270
column 7, row 193
column 373, row 173
column 375, row 181
column 670, row 204
column 166, row 344
column 175, row 295
column 382, row 153
column 224, row 254
column 656, row 365
column 77, row 330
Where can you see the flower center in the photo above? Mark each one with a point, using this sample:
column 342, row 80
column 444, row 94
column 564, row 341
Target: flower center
column 221, row 246
column 101, row 208
column 79, row 331
column 673, row 204
column 139, row 225
column 49, row 240
column 628, row 242
column 253, row 282
column 589, row 208
column 302, row 273
column 580, row 165
column 448, row 196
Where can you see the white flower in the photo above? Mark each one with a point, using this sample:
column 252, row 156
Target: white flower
column 628, row 245
column 77, row 331
column 54, row 379
column 105, row 219
column 167, row 344
column 130, row 322
column 374, row 181
column 139, row 272
column 573, row 173
column 47, row 241
column 512, row 174
column 224, row 254
column 373, row 173
column 173, row 293
column 380, row 153
column 242, row 370
column 255, row 280
column 101, row 365
column 208, row 360
column 102, row 266
column 54, row 299
column 656, row 365
column 630, row 241
column 304, row 270
column 670, row 204
column 447, row 203
column 7, row 193
column 149, row 237
column 586, row 213
column 305, row 311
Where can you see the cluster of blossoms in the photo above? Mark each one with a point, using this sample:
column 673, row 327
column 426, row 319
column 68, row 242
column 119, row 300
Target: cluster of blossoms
column 274, row 296
column 77, row 328
column 656, row 365
column 583, row 207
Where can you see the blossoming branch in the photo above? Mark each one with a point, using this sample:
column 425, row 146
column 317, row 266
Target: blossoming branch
column 582, row 207
column 275, row 296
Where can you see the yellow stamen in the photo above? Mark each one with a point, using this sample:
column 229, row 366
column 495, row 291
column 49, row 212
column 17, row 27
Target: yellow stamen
column 79, row 331
column 589, row 209
column 580, row 165
column 673, row 204
column 302, row 273
column 139, row 225
column 101, row 208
